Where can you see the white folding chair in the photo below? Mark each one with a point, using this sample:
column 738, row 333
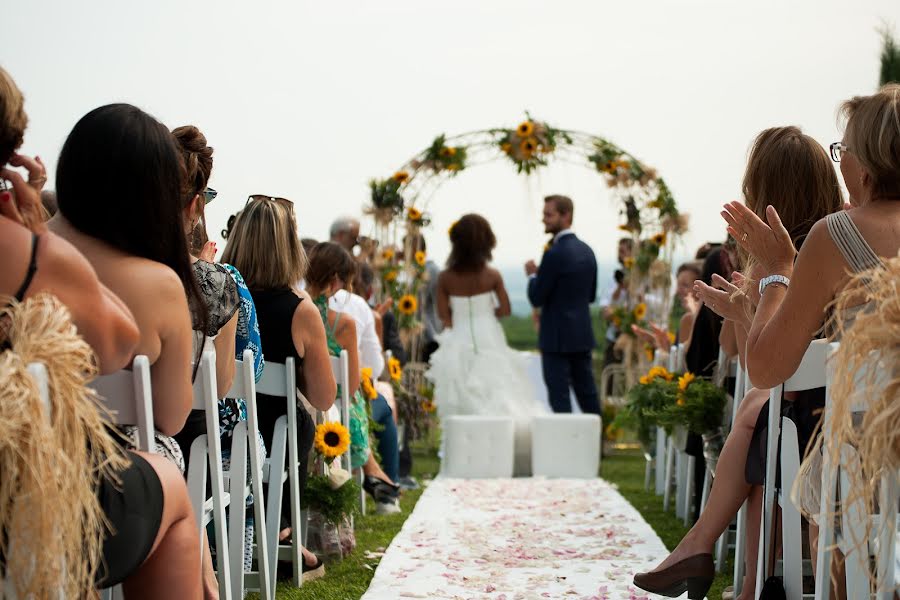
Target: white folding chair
column 729, row 368
column 206, row 465
column 244, row 437
column 741, row 387
column 679, row 466
column 655, row 463
column 340, row 366
column 880, row 530
column 128, row 397
column 810, row 374
column 280, row 380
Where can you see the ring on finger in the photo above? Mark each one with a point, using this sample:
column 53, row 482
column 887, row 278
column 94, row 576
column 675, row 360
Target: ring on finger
column 744, row 237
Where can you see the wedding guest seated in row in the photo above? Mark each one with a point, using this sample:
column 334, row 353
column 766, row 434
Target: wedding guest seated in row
column 130, row 226
column 331, row 267
column 152, row 526
column 798, row 288
column 289, row 326
column 803, row 195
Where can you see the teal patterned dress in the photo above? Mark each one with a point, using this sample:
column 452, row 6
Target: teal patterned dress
column 359, row 418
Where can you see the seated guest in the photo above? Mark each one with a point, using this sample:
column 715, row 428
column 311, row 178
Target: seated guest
column 331, row 267
column 148, row 510
column 803, row 195
column 289, row 325
column 137, row 246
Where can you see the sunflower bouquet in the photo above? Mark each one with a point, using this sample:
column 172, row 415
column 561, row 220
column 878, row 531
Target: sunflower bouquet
column 697, row 404
column 644, row 401
column 529, row 144
column 387, row 201
column 439, row 157
column 333, row 495
column 624, row 317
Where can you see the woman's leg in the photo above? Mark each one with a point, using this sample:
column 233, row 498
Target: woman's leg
column 388, row 445
column 171, row 570
column 751, row 535
column 729, row 489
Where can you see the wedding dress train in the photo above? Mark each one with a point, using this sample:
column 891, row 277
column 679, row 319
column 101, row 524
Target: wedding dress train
column 475, row 372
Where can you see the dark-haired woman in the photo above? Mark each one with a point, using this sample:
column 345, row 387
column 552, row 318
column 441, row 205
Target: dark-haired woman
column 474, row 371
column 136, row 242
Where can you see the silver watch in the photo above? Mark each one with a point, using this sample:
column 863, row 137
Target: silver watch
column 766, row 281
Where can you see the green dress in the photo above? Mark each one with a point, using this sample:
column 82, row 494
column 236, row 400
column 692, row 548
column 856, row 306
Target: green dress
column 359, row 418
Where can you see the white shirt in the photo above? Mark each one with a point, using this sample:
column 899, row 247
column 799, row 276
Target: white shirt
column 370, row 355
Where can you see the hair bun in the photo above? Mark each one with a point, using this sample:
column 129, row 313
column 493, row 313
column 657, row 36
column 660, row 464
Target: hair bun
column 197, row 157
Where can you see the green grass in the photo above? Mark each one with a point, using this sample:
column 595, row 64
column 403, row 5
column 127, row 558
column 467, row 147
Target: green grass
column 349, row 578
column 522, row 335
column 627, row 472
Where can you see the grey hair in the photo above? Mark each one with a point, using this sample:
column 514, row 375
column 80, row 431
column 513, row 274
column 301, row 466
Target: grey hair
column 343, row 224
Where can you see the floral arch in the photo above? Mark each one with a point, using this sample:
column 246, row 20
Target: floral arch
column 398, row 206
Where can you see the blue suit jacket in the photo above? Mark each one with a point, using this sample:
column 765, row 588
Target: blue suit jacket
column 564, row 289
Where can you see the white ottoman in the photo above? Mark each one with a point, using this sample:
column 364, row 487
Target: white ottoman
column 477, row 447
column 565, row 446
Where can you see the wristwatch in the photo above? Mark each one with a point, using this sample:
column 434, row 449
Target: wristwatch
column 766, row 281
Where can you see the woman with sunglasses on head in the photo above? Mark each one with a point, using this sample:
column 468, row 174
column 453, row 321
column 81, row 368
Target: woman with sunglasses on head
column 263, row 245
column 152, row 522
column 805, row 193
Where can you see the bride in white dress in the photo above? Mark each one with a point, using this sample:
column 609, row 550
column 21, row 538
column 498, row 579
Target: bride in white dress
column 474, row 371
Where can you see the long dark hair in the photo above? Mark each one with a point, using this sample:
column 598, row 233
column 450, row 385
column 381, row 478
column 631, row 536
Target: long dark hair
column 473, row 244
column 119, row 179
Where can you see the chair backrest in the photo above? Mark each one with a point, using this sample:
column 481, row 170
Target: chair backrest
column 205, row 387
column 340, row 367
column 128, row 397
column 810, row 374
column 673, row 358
column 277, row 379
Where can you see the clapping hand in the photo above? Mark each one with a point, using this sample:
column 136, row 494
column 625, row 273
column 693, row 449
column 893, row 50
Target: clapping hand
column 208, row 253
column 656, row 335
column 384, row 307
column 726, row 299
column 769, row 243
column 23, row 204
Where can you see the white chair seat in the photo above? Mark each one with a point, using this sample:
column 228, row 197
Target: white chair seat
column 578, row 457
column 477, row 447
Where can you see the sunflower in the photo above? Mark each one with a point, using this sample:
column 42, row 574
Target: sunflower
column 528, row 146
column 685, row 380
column 506, row 147
column 640, row 311
column 388, row 254
column 626, row 228
column 644, row 380
column 414, row 214
column 428, row 406
column 628, row 262
column 671, row 337
column 332, row 439
column 408, row 305
column 448, row 151
column 420, row 258
column 395, row 369
column 525, row 129
column 659, row 239
column 661, row 372
column 401, row 177
column 452, row 167
column 680, row 401
column 648, row 352
column 365, row 382
column 390, row 276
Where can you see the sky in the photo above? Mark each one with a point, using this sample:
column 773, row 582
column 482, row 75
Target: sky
column 310, row 100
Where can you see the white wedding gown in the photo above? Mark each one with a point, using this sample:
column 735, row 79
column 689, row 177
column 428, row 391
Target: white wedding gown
column 475, row 372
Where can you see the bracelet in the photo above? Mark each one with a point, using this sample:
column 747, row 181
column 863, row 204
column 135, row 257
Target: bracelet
column 772, row 279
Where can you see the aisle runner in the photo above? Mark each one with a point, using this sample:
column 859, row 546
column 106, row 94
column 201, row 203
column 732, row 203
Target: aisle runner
column 518, row 539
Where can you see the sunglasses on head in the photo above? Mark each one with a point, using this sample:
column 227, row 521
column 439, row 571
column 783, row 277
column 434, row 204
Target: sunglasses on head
column 257, row 197
column 209, row 195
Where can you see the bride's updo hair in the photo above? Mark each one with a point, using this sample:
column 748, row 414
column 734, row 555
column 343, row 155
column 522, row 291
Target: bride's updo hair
column 473, row 243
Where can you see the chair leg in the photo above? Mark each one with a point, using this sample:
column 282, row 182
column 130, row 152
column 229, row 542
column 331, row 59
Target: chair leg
column 670, row 466
column 277, row 457
column 792, row 535
column 660, row 460
column 690, row 464
column 887, row 538
column 854, row 532
column 237, row 517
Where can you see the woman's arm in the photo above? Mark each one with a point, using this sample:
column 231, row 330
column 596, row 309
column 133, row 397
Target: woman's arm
column 225, row 343
column 346, row 337
column 504, row 310
column 443, row 302
column 308, row 333
column 686, row 327
column 728, row 339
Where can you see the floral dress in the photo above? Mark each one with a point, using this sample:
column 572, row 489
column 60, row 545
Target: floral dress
column 359, row 418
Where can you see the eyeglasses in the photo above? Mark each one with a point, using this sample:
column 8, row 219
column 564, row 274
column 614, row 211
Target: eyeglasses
column 209, row 195
column 837, row 151
column 255, row 197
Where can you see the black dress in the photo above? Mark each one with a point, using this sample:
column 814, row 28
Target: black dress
column 275, row 312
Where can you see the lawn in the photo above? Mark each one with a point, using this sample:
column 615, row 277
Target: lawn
column 349, row 578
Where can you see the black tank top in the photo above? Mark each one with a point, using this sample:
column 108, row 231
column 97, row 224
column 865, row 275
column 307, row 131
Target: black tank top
column 275, row 312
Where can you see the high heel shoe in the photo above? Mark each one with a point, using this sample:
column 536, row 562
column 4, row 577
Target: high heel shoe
column 694, row 575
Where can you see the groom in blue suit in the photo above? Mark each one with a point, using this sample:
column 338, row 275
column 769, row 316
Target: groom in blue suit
column 563, row 289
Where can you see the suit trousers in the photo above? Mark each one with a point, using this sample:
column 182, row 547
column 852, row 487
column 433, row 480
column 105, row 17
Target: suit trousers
column 562, row 369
